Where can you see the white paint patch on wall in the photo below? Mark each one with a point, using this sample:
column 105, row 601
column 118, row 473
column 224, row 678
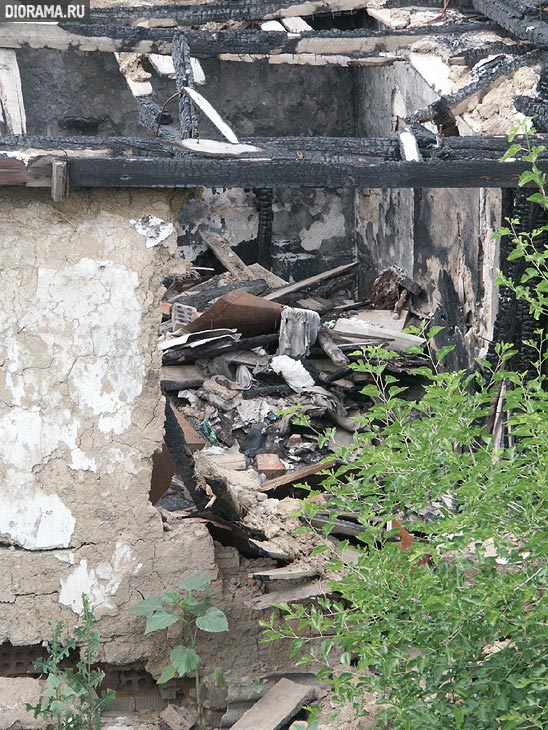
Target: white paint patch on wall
column 99, row 583
column 331, row 223
column 33, row 519
column 72, row 362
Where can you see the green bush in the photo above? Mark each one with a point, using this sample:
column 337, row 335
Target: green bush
column 72, row 700
column 452, row 631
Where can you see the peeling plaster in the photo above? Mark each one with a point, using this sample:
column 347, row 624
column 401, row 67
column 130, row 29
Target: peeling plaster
column 73, row 354
column 154, row 229
column 35, row 520
column 99, row 583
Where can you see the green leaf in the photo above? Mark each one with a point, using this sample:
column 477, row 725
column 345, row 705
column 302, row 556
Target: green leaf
column 319, row 549
column 433, row 331
column 512, row 151
column 442, row 353
column 219, row 678
column 538, row 198
column 213, row 621
column 197, row 582
column 196, row 608
column 147, row 607
column 370, row 390
column 160, row 620
column 168, row 673
column 184, row 659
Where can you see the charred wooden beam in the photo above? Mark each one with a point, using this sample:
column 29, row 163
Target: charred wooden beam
column 330, row 172
column 452, row 105
column 263, row 203
column 184, row 77
column 535, row 108
column 156, row 121
column 220, row 11
column 211, row 44
column 522, row 19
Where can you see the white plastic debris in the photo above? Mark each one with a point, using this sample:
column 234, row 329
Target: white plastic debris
column 292, row 371
column 154, row 229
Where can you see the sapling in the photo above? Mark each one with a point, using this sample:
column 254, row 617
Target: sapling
column 192, row 613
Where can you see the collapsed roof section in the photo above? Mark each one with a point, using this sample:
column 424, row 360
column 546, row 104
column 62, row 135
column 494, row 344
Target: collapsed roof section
column 458, row 57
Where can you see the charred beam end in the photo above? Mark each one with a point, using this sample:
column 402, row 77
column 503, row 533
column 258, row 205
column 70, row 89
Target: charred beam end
column 444, row 110
column 184, row 77
column 155, row 120
column 533, row 108
column 263, row 203
column 518, row 18
column 331, row 173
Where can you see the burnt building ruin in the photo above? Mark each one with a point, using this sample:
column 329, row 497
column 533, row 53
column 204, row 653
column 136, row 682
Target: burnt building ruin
column 330, row 155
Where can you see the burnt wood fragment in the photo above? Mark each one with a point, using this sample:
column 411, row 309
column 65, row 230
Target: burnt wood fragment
column 220, row 11
column 444, row 110
column 360, row 42
column 522, row 20
column 263, row 203
column 184, row 77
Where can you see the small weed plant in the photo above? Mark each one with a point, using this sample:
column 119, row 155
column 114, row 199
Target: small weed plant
column 72, row 699
column 191, row 610
column 451, row 631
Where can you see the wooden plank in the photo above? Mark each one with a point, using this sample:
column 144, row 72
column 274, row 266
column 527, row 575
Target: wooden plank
column 227, row 256
column 305, row 283
column 288, row 573
column 59, row 180
column 12, row 108
column 361, row 42
column 12, row 172
column 302, row 475
column 335, row 172
column 296, row 25
column 298, row 593
column 276, row 708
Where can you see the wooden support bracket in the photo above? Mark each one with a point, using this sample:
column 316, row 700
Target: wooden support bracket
column 59, row 180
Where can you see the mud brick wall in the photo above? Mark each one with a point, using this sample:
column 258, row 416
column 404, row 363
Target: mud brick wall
column 80, row 416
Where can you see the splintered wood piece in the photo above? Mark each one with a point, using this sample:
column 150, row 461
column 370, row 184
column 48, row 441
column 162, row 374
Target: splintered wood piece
column 12, row 108
column 227, row 257
column 212, row 114
column 305, row 475
column 277, row 707
column 299, row 593
column 59, row 180
column 305, row 283
column 331, row 349
column 288, row 573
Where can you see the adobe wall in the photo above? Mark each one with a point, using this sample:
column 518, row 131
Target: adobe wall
column 80, row 416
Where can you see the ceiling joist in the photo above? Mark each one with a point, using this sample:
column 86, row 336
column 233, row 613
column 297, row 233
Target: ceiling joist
column 211, row 44
column 461, row 162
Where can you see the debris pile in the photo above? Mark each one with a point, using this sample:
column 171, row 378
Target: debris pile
column 243, row 354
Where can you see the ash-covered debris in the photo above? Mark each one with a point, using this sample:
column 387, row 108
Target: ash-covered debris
column 253, row 371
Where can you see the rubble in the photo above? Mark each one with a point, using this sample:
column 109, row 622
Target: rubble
column 249, row 362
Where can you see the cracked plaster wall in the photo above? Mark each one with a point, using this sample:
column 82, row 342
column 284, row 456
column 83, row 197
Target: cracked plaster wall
column 312, row 229
column 426, row 231
column 80, row 408
column 80, row 417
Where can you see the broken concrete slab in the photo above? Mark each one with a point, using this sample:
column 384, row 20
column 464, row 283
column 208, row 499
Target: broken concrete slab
column 270, row 465
column 277, row 707
column 178, row 718
column 15, row 692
